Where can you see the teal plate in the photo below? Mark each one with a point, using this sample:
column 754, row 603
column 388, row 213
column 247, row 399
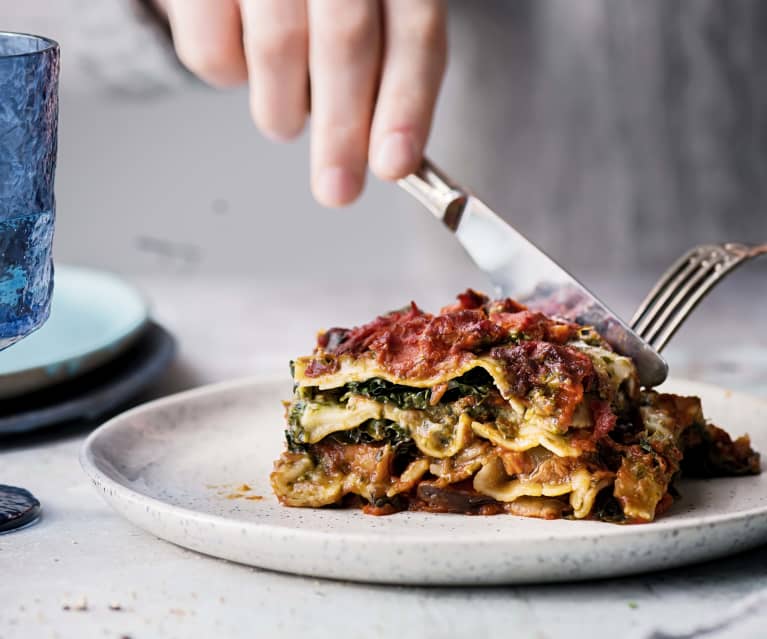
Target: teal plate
column 95, row 317
column 89, row 398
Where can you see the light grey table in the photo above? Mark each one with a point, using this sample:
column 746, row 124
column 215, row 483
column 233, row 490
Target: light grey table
column 84, row 572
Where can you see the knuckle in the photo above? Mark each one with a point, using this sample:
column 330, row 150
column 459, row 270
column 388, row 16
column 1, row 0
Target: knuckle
column 352, row 31
column 279, row 46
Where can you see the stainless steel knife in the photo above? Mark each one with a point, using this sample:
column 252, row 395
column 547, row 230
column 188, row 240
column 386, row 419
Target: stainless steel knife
column 519, row 269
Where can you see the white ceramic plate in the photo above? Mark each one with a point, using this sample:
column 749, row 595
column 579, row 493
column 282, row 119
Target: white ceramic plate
column 171, row 467
column 94, row 317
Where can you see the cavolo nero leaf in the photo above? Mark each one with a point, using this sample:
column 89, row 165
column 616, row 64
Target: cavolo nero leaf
column 294, row 439
column 476, row 382
column 402, row 396
column 376, row 430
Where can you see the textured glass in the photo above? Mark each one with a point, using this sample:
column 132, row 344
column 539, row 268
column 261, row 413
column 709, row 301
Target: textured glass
column 29, row 72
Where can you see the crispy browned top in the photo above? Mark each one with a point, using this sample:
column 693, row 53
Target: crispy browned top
column 411, row 343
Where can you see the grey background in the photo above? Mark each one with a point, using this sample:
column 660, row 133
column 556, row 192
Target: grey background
column 616, row 133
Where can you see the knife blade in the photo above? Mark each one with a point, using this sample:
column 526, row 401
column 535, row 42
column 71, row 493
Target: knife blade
column 519, row 269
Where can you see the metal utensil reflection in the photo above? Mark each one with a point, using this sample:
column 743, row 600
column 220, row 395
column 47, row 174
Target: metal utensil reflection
column 519, row 269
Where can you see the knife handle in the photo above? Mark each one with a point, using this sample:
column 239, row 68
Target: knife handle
column 437, row 192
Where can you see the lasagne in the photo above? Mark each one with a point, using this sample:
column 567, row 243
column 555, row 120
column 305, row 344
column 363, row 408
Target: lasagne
column 485, row 408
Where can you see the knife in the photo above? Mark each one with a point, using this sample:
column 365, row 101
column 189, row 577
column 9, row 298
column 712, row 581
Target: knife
column 519, row 269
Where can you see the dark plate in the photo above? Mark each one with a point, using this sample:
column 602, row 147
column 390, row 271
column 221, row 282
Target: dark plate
column 95, row 394
column 18, row 508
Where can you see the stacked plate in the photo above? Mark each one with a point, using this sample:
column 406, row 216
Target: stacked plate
column 97, row 351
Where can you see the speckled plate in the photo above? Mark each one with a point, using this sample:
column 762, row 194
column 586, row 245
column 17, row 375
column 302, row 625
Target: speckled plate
column 193, row 469
column 95, row 316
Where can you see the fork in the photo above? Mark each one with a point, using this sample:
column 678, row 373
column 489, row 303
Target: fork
column 681, row 288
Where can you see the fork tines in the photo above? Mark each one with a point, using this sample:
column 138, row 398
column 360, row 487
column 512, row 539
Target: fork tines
column 681, row 288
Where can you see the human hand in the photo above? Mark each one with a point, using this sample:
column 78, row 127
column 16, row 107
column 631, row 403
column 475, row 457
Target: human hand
column 375, row 68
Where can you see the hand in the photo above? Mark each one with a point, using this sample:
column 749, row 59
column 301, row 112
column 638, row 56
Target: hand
column 375, row 68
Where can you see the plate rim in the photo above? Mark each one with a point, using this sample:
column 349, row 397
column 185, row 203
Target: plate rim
column 116, row 345
column 102, row 481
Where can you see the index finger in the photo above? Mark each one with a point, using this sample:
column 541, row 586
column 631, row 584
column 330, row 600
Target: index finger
column 344, row 58
column 415, row 52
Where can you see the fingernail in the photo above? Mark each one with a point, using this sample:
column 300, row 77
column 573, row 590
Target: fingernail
column 336, row 186
column 396, row 155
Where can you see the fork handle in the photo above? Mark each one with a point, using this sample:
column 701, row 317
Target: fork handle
column 437, row 192
column 758, row 250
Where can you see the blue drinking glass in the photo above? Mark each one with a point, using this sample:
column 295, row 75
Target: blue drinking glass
column 29, row 105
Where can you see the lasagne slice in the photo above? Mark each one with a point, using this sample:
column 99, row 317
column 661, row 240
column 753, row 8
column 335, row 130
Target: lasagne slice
column 485, row 408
